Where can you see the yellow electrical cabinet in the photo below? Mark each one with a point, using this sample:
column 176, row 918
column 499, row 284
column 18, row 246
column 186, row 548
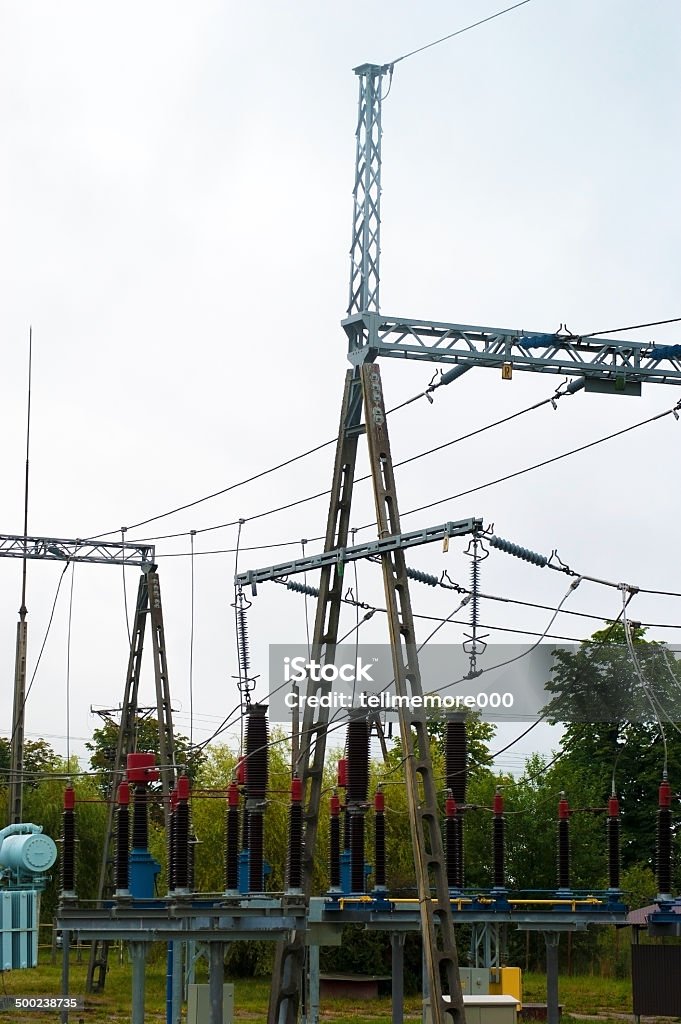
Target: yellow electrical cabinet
column 507, row 981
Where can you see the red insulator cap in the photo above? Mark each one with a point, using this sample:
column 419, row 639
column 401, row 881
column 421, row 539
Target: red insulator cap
column 563, row 808
column 343, row 772
column 335, row 805
column 613, row 807
column 123, row 794
column 233, row 795
column 379, row 801
column 183, row 787
column 241, row 772
column 69, row 798
column 141, row 768
column 450, row 807
column 498, row 803
column 665, row 794
column 296, row 790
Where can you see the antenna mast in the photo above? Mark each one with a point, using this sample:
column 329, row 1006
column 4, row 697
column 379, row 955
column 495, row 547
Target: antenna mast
column 16, row 787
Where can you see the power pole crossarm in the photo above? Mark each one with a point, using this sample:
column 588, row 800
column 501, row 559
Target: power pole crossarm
column 370, row 549
column 57, row 549
column 371, row 335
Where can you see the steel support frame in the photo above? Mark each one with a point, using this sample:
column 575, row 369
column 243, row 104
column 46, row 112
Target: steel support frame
column 57, row 549
column 370, row 335
column 289, row 960
column 148, row 605
column 439, row 940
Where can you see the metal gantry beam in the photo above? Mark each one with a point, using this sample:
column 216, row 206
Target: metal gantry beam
column 58, row 549
column 370, row 549
column 372, row 335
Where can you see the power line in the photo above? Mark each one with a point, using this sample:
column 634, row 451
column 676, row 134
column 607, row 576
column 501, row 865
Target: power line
column 551, row 400
column 632, row 327
column 539, row 465
column 459, row 32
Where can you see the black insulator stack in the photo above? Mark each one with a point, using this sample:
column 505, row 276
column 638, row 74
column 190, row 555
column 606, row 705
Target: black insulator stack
column 232, row 839
column 613, row 839
column 451, row 847
column 172, row 826
column 191, row 853
column 334, row 844
column 357, row 852
column 379, row 839
column 256, row 858
column 475, row 594
column 563, row 846
column 459, row 848
column 456, row 757
column 68, row 836
column 663, row 851
column 295, row 836
column 356, row 791
column 256, row 752
column 499, row 843
column 140, row 817
column 358, row 759
column 122, row 851
column 182, row 835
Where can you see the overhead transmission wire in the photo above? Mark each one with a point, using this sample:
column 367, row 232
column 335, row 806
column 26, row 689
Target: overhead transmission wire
column 550, row 400
column 641, row 679
column 674, row 410
column 458, row 32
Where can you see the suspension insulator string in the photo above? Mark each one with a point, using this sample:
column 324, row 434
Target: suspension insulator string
column 475, row 645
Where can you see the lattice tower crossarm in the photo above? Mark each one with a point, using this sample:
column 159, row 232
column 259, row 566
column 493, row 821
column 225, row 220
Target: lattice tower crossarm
column 57, row 549
column 370, row 549
column 365, row 249
column 371, row 335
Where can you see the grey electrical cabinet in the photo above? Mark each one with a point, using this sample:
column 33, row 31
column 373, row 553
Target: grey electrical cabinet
column 198, row 1004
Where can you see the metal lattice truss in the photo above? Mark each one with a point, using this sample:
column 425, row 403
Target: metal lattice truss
column 57, row 549
column 366, row 221
column 370, row 549
column 621, row 362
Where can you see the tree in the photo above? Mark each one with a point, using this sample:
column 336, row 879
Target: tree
column 39, row 759
column 617, row 713
column 104, row 740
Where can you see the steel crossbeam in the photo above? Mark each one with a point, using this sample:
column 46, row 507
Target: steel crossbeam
column 371, row 335
column 370, row 549
column 57, row 549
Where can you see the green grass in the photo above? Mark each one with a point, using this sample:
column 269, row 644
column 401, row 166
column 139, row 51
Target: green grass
column 580, row 995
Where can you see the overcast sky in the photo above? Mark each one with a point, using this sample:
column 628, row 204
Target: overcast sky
column 175, row 215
